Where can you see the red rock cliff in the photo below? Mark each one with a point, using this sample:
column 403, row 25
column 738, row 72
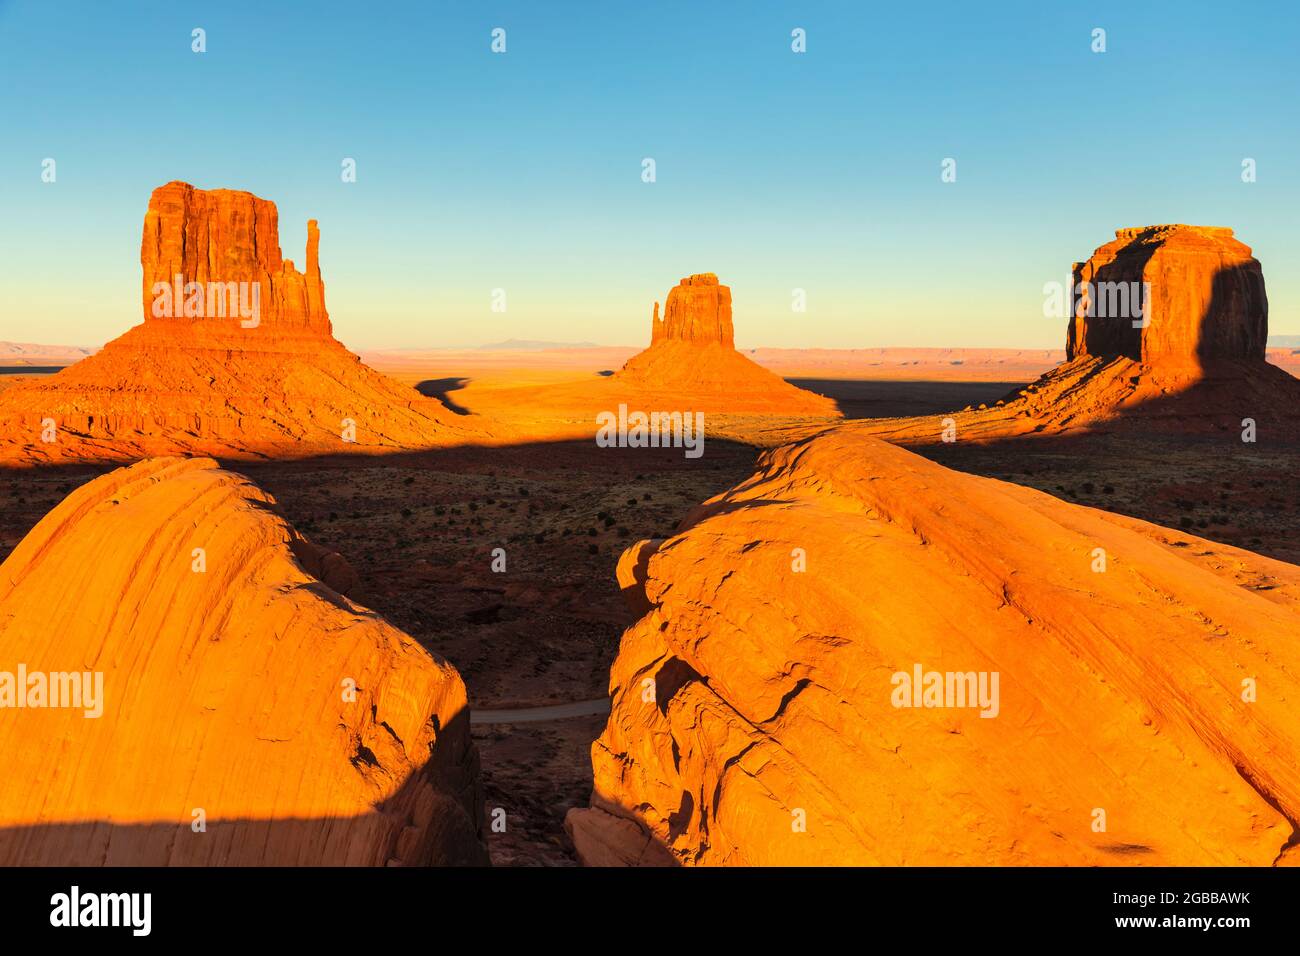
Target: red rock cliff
column 1167, row 334
column 698, row 310
column 226, row 235
column 197, row 376
column 692, row 359
column 1204, row 298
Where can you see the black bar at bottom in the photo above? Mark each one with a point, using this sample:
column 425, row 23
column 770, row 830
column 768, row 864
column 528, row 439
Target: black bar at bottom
column 335, row 906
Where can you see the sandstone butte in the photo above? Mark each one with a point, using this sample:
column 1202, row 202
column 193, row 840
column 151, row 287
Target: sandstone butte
column 692, row 359
column 1197, row 364
column 752, row 697
column 209, row 384
column 690, row 366
column 223, row 690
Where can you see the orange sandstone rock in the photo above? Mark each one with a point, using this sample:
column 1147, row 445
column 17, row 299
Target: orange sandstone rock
column 692, row 362
column 223, row 235
column 200, row 376
column 1206, row 298
column 1167, row 334
column 237, row 691
column 698, row 310
column 1144, row 712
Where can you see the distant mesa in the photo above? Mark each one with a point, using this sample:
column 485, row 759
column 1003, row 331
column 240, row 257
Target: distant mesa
column 23, row 353
column 224, row 236
column 1168, row 330
column 692, row 358
column 534, row 345
column 235, row 357
column 1194, row 294
column 697, row 310
column 249, row 713
column 775, row 624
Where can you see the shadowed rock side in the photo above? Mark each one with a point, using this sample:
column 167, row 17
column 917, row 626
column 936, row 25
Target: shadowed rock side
column 754, row 698
column 1206, row 299
column 223, row 691
column 215, row 382
column 692, row 359
column 1186, row 355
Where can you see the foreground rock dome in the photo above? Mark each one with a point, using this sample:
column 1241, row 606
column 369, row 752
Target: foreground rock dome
column 1143, row 711
column 238, row 692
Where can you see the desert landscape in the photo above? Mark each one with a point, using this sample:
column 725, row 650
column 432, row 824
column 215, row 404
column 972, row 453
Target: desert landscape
column 519, row 465
column 430, row 607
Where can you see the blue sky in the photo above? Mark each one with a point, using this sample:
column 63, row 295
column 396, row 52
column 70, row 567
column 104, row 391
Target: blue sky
column 522, row 171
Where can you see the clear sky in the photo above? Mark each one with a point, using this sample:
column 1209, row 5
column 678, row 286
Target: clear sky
column 523, row 170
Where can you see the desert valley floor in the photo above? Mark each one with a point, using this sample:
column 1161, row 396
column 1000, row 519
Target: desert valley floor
column 419, row 527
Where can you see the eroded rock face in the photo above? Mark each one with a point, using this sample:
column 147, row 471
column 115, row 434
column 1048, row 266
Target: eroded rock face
column 1167, row 295
column 206, row 373
column 226, row 675
column 692, row 362
column 697, row 310
column 224, row 235
column 756, row 717
column 1175, row 343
